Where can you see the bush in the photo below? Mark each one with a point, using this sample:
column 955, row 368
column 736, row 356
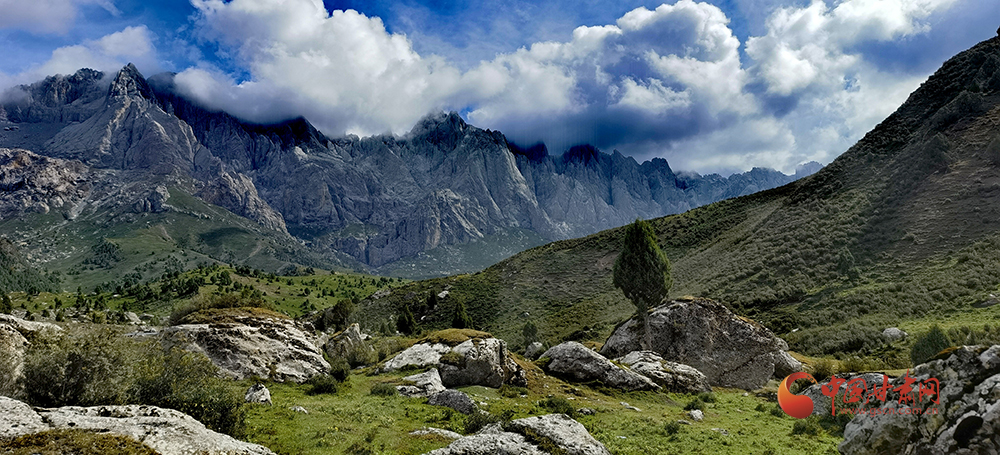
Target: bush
column 671, row 428
column 928, row 345
column 477, row 420
column 559, row 405
column 405, row 322
column 808, row 426
column 510, row 391
column 707, row 397
column 461, row 319
column 190, row 383
column 247, row 298
column 6, row 306
column 322, row 384
column 824, row 368
column 694, row 404
column 381, row 389
column 340, row 369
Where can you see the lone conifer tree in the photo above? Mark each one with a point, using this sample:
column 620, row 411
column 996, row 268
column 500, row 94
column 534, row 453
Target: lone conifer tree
column 405, row 322
column 642, row 271
column 461, row 319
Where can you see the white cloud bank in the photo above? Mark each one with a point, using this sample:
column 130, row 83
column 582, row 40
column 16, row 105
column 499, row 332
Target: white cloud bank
column 46, row 16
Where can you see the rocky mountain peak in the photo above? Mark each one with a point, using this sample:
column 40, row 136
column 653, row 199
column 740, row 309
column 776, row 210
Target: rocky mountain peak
column 130, row 82
column 441, row 128
column 585, row 154
column 534, row 153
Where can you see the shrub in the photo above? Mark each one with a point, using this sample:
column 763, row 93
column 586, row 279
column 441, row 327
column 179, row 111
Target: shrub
column 6, row 306
column 672, row 427
column 247, row 298
column 340, row 369
column 189, row 382
column 453, row 358
column 928, row 345
column 559, row 405
column 477, row 420
column 461, row 319
column 322, row 384
column 694, row 404
column 824, row 368
column 381, row 389
column 405, row 322
column 707, row 397
column 808, row 426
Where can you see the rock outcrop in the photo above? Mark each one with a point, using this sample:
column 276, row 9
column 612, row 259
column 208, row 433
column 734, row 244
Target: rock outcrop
column 454, row 399
column 480, row 360
column 33, row 183
column 245, row 346
column 534, row 350
column 672, row 376
column 347, row 343
column 422, row 385
column 731, row 351
column 167, row 431
column 966, row 420
column 525, row 436
column 575, row 362
column 258, row 393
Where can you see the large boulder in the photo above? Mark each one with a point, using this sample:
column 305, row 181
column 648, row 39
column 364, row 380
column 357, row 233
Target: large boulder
column 463, row 357
column 526, row 436
column 730, row 350
column 574, row 361
column 245, row 346
column 349, row 344
column 965, row 421
column 422, row 385
column 167, row 431
column 29, row 329
column 672, row 376
column 13, row 347
column 454, row 399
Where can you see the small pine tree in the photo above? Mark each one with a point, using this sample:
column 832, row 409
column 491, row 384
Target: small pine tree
column 432, row 301
column 6, row 306
column 642, row 271
column 405, row 322
column 530, row 333
column 929, row 344
column 461, row 320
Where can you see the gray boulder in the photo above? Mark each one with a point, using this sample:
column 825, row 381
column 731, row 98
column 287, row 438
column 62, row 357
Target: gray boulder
column 454, row 399
column 13, row 347
column 785, row 364
column 568, row 435
column 167, row 431
column 29, row 329
column 534, row 350
column 965, row 421
column 258, row 393
column 246, row 346
column 435, row 431
column 422, row 385
column 563, row 431
column 476, row 361
column 349, row 344
column 672, row 376
column 576, row 362
column 730, row 350
column 893, row 334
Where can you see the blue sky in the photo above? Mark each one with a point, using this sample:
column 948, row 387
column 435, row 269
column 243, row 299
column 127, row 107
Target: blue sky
column 714, row 86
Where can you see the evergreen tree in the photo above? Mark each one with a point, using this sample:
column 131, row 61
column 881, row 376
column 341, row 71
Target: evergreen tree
column 530, row 333
column 461, row 320
column 642, row 271
column 405, row 322
column 6, row 306
column 929, row 344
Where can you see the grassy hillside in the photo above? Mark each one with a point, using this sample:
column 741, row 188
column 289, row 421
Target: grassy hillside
column 903, row 228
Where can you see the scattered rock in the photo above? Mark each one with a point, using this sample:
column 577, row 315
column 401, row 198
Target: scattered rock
column 534, row 350
column 258, row 393
column 721, row 431
column 576, row 362
column 684, row 422
column 731, row 351
column 525, row 436
column 453, row 399
column 477, row 361
column 435, row 431
column 246, row 346
column 630, row 407
column 586, row 411
column 348, row 343
column 672, row 376
column 491, row 440
column 893, row 334
column 167, row 431
column 424, row 385
column 697, row 415
column 298, row 409
column 965, row 421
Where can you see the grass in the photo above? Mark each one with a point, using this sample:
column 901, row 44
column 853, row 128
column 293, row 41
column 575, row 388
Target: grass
column 78, row 442
column 354, row 417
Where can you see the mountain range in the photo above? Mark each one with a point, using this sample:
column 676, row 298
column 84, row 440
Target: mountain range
column 902, row 228
column 446, row 197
